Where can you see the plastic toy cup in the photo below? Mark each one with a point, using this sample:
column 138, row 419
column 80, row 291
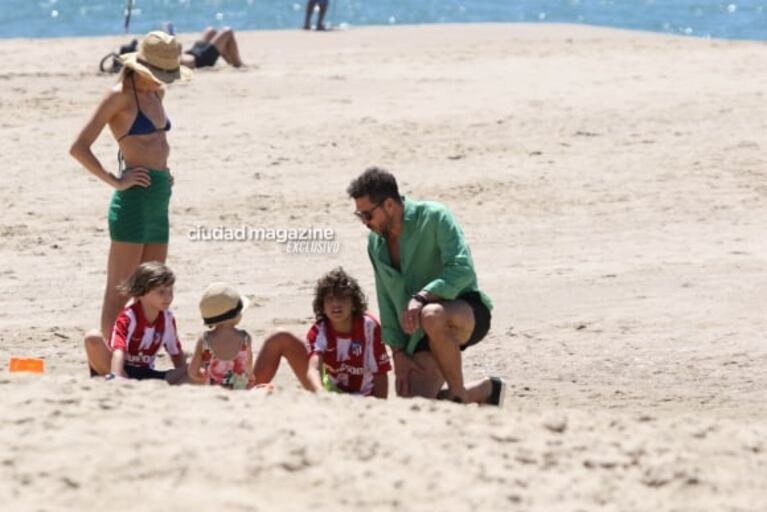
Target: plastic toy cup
column 27, row 364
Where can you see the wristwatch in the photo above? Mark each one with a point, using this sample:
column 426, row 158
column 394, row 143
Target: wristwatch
column 419, row 298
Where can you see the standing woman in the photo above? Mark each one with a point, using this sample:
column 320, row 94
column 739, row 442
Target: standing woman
column 138, row 213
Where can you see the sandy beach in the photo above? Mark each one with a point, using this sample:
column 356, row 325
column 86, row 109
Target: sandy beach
column 612, row 187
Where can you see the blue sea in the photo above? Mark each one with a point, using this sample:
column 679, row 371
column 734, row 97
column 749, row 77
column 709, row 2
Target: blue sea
column 738, row 19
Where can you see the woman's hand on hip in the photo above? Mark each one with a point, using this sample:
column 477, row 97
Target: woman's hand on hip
column 134, row 177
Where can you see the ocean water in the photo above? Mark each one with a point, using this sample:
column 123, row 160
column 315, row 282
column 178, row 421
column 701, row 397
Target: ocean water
column 736, row 19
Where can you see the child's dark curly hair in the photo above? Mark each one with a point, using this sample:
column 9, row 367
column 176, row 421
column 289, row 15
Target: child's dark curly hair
column 338, row 283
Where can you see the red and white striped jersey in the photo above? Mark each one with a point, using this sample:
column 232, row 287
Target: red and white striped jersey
column 351, row 361
column 139, row 340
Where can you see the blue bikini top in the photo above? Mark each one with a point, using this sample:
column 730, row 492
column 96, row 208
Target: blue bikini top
column 142, row 125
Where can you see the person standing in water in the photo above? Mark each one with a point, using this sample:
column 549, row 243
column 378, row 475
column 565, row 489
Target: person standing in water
column 323, row 8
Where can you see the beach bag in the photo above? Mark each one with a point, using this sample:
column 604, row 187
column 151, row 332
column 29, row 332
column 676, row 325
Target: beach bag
column 105, row 66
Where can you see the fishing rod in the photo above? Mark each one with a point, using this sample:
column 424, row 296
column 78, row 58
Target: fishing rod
column 128, row 11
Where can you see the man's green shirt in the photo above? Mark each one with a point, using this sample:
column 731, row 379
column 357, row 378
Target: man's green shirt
column 434, row 257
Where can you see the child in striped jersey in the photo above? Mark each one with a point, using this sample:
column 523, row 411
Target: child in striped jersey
column 140, row 330
column 343, row 350
column 346, row 353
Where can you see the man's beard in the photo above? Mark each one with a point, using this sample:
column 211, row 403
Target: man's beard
column 385, row 230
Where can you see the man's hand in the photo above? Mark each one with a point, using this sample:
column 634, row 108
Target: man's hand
column 411, row 317
column 403, row 367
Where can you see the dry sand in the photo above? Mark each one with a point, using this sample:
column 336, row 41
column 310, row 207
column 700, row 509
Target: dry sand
column 611, row 184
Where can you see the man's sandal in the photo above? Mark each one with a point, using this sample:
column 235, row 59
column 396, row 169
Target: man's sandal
column 496, row 397
column 497, row 393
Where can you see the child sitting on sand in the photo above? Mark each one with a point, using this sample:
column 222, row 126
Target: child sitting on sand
column 223, row 355
column 345, row 347
column 345, row 351
column 140, row 330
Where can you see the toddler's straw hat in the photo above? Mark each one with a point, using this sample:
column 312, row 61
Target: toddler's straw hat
column 221, row 302
column 157, row 57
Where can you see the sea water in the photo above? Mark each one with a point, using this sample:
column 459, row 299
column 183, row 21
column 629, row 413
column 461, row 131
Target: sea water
column 738, row 19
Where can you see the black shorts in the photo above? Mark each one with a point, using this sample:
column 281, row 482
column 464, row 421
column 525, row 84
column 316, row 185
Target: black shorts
column 134, row 372
column 139, row 373
column 205, row 54
column 481, row 322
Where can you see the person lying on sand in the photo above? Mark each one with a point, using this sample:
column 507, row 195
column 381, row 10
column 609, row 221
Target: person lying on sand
column 212, row 45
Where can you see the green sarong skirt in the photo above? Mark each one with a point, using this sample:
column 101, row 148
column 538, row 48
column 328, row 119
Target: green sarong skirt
column 140, row 215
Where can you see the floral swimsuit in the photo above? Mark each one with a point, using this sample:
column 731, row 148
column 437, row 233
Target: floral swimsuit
column 229, row 373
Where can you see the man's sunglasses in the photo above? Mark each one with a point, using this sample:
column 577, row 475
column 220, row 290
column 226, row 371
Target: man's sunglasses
column 367, row 215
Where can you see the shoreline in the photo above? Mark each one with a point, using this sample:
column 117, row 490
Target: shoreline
column 525, row 28
column 59, row 59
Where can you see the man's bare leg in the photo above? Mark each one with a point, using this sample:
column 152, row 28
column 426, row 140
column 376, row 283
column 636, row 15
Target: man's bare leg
column 428, row 382
column 447, row 325
column 477, row 392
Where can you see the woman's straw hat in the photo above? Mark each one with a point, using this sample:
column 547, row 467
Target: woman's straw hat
column 157, row 57
column 221, row 302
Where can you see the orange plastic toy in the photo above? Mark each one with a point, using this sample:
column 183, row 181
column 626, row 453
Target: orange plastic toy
column 28, row 364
